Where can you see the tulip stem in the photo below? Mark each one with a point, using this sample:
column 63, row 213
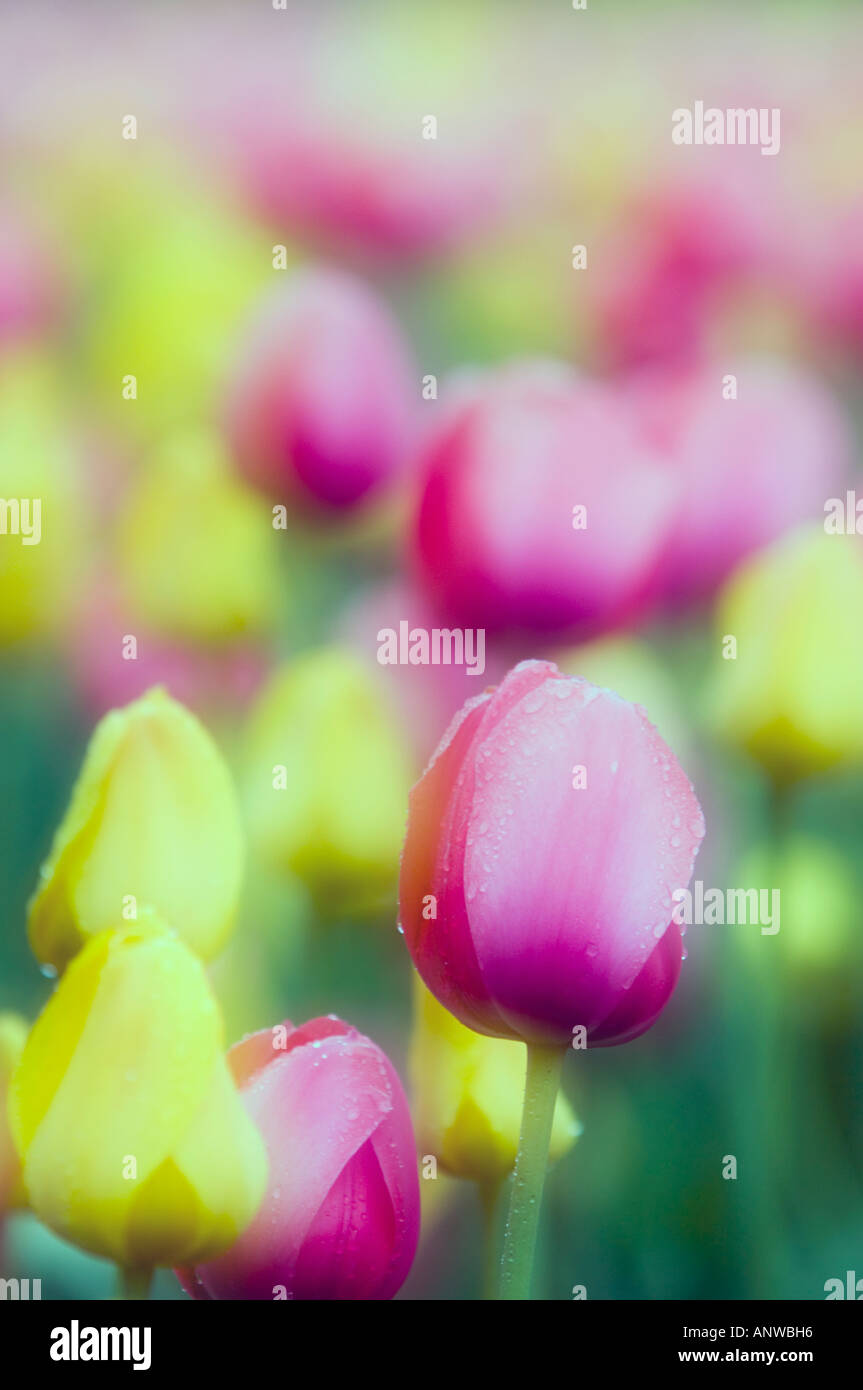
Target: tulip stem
column 519, row 1242
column 134, row 1284
column 489, row 1195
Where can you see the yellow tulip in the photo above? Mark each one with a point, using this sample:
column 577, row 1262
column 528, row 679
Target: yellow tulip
column 468, row 1093
column 133, row 1140
column 819, row 909
column 197, row 555
column 327, row 779
column 152, row 824
column 792, row 697
column 174, row 274
column 43, row 522
column 13, row 1033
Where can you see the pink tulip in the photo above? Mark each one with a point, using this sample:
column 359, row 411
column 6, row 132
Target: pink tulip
column 498, row 542
column 830, row 270
column 367, row 198
column 211, row 680
column 340, row 1218
column 30, row 295
column 661, row 279
column 749, row 469
column 532, row 905
column 320, row 411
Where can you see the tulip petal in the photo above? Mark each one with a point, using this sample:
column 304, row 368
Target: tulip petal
column 318, row 1105
column 153, row 817
column 608, row 856
column 133, row 1139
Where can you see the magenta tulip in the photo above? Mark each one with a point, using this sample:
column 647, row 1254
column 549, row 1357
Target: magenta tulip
column 545, row 842
column 829, row 267
column 678, row 255
column 541, row 509
column 320, row 410
column 749, row 468
column 212, row 679
column 30, row 292
column 340, row 1218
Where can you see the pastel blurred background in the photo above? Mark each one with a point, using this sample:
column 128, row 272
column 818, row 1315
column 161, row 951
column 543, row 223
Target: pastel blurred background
column 305, row 351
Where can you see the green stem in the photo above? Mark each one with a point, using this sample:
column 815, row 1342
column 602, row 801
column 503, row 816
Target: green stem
column 519, row 1241
column 766, row 1133
column 134, row 1284
column 489, row 1195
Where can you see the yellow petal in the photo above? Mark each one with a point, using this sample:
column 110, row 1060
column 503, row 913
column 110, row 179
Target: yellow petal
column 134, row 1143
column 792, row 697
column 13, row 1033
column 327, row 777
column 468, row 1095
column 43, row 553
column 152, row 824
column 196, row 550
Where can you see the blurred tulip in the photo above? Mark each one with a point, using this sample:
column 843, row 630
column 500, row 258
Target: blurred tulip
column 733, row 498
column 152, row 824
column 133, row 1141
column 340, row 1219
column 327, row 778
column 541, row 510
column 30, row 294
column 544, row 843
column 819, row 928
column 468, row 1093
column 320, row 408
column 213, row 680
column 679, row 252
column 830, row 268
column 13, row 1034
column 792, row 695
column 196, row 551
column 374, row 199
column 174, row 273
column 44, row 541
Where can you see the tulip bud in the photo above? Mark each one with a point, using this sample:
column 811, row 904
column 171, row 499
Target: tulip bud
column 790, row 689
column 545, row 842
column 327, row 778
column 13, row 1033
column 541, row 510
column 468, row 1093
column 132, row 1139
column 340, row 1219
column 196, row 549
column 152, row 824
column 320, row 412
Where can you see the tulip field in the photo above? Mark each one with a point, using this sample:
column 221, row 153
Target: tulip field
column 431, row 662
